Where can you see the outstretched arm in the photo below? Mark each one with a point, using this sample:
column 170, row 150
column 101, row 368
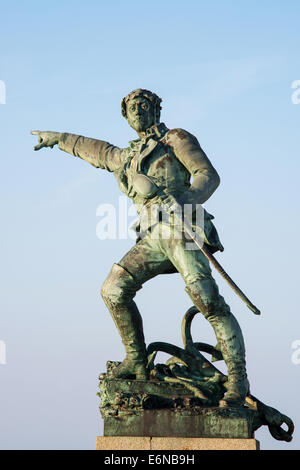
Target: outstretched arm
column 98, row 153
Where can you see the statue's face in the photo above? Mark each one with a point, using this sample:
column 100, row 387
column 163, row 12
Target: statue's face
column 140, row 114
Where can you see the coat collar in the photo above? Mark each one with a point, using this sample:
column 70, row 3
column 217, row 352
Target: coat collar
column 148, row 142
column 155, row 132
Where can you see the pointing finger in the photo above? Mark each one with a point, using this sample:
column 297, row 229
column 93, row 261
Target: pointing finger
column 35, row 132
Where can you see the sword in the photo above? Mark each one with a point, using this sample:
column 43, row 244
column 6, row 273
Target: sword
column 145, row 186
column 199, row 243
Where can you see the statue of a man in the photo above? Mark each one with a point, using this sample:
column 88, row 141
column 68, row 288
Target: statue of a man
column 156, row 169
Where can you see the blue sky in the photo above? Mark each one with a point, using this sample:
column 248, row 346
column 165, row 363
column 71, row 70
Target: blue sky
column 224, row 71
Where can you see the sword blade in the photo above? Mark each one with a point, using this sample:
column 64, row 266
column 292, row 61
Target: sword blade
column 194, row 237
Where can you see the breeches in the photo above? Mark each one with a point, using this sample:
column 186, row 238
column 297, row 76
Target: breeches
column 160, row 253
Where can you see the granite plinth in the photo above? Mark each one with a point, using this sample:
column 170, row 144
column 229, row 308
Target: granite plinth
column 173, row 443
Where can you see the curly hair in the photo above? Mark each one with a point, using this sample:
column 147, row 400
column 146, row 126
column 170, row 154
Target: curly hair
column 149, row 95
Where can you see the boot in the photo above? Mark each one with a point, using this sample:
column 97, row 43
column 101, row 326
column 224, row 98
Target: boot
column 118, row 291
column 129, row 324
column 231, row 343
column 211, row 304
column 237, row 390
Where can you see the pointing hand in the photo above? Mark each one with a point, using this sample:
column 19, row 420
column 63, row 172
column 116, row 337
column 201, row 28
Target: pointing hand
column 46, row 139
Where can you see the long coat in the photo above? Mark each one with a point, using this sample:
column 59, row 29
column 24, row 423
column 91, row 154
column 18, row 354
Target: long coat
column 168, row 157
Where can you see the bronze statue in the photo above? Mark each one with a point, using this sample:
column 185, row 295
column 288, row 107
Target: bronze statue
column 155, row 169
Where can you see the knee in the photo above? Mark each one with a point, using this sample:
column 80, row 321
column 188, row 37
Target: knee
column 205, row 295
column 119, row 286
column 106, row 289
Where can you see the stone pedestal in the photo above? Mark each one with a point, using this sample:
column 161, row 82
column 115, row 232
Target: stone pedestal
column 173, row 443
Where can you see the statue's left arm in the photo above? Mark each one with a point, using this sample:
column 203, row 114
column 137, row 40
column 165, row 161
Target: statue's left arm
column 189, row 152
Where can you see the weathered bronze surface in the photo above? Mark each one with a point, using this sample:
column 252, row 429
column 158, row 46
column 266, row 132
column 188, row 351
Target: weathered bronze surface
column 181, row 398
column 155, row 171
column 210, row 422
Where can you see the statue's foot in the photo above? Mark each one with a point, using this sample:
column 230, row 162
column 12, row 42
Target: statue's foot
column 130, row 369
column 235, row 395
column 232, row 400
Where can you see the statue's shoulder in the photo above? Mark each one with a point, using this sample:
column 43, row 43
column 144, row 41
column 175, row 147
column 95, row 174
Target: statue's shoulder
column 178, row 136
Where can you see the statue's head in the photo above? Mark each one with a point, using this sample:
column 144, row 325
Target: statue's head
column 141, row 108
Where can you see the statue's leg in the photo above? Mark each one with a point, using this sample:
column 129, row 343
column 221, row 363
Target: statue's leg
column 117, row 292
column 205, row 296
column 203, row 290
column 140, row 264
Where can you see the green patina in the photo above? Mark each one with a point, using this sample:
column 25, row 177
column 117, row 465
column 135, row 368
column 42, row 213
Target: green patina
column 164, row 169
